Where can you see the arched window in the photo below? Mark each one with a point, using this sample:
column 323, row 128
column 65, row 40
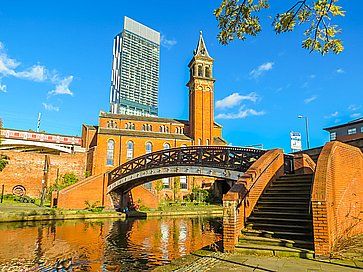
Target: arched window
column 207, row 71
column 167, row 129
column 166, row 146
column 143, row 127
column 130, row 150
column 207, row 142
column 161, row 129
column 150, row 128
column 148, row 148
column 110, row 152
column 200, row 70
column 126, row 126
column 199, row 141
column 132, row 126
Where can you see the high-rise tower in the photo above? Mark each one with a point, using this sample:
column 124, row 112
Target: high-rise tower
column 135, row 70
column 201, row 98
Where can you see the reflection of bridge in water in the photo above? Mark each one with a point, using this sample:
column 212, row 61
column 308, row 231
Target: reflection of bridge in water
column 222, row 162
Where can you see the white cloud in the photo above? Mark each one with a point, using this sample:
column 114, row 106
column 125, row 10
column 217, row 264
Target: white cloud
column 166, row 42
column 235, row 99
column 356, row 115
column 241, row 114
column 334, row 114
column 39, row 73
column 35, row 73
column 2, row 86
column 354, row 107
column 257, row 72
column 50, row 107
column 62, row 86
column 340, row 71
column 310, row 99
column 7, row 65
column 312, row 76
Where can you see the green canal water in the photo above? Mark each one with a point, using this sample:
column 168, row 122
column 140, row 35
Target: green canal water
column 103, row 245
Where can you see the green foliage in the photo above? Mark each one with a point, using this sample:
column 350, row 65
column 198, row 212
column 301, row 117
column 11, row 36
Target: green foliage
column 93, row 206
column 200, row 195
column 4, row 160
column 238, row 18
column 87, row 174
column 159, row 185
column 62, row 182
column 176, row 187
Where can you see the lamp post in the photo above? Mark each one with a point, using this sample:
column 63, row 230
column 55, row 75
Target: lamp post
column 306, row 129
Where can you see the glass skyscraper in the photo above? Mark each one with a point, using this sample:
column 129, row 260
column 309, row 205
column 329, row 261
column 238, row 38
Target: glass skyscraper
column 135, row 70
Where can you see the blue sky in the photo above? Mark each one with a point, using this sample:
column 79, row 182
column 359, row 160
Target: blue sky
column 55, row 58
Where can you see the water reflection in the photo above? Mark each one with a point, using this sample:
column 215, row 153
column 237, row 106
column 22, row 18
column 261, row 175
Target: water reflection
column 103, row 245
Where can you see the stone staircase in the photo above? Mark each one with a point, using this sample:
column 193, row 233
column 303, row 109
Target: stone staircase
column 281, row 220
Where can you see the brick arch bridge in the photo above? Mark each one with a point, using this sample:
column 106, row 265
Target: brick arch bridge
column 224, row 162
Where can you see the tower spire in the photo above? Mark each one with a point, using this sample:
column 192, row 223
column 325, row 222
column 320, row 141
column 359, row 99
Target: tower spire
column 201, row 48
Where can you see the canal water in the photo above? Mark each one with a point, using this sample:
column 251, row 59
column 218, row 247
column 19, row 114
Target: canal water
column 103, row 245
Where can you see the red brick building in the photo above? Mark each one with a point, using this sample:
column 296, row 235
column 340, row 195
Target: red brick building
column 119, row 138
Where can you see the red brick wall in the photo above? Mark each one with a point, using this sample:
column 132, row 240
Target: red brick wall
column 92, row 189
column 239, row 202
column 337, row 196
column 26, row 169
column 303, row 164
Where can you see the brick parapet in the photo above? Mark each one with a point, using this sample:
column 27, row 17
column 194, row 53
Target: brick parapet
column 239, row 202
column 337, row 196
column 303, row 164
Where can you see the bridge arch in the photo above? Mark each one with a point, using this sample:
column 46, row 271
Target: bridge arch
column 223, row 162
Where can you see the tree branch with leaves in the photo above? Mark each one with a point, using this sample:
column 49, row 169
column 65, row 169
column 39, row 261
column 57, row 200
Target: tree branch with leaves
column 239, row 19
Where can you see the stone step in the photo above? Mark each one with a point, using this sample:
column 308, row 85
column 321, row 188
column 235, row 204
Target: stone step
column 278, row 227
column 287, row 180
column 306, row 190
column 289, row 221
column 269, row 250
column 307, row 235
column 305, row 199
column 297, row 177
column 285, row 193
column 294, row 186
column 257, row 233
column 279, row 214
column 264, row 241
column 275, row 203
column 279, row 208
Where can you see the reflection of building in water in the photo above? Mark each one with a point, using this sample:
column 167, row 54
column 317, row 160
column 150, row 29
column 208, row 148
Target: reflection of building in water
column 130, row 245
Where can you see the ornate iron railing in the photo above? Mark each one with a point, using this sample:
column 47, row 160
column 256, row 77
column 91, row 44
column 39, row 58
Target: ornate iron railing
column 223, row 157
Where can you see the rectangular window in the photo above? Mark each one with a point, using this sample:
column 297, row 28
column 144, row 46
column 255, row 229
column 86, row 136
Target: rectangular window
column 333, row 136
column 352, row 131
column 183, row 183
column 361, row 129
column 166, row 183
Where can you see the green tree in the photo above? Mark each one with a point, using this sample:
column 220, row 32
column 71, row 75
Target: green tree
column 62, row 182
column 240, row 18
column 4, row 160
column 176, row 187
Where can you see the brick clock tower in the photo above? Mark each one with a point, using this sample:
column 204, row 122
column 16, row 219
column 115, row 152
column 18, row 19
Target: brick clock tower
column 201, row 98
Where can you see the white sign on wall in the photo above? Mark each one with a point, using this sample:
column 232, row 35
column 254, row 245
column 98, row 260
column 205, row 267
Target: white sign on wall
column 295, row 141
